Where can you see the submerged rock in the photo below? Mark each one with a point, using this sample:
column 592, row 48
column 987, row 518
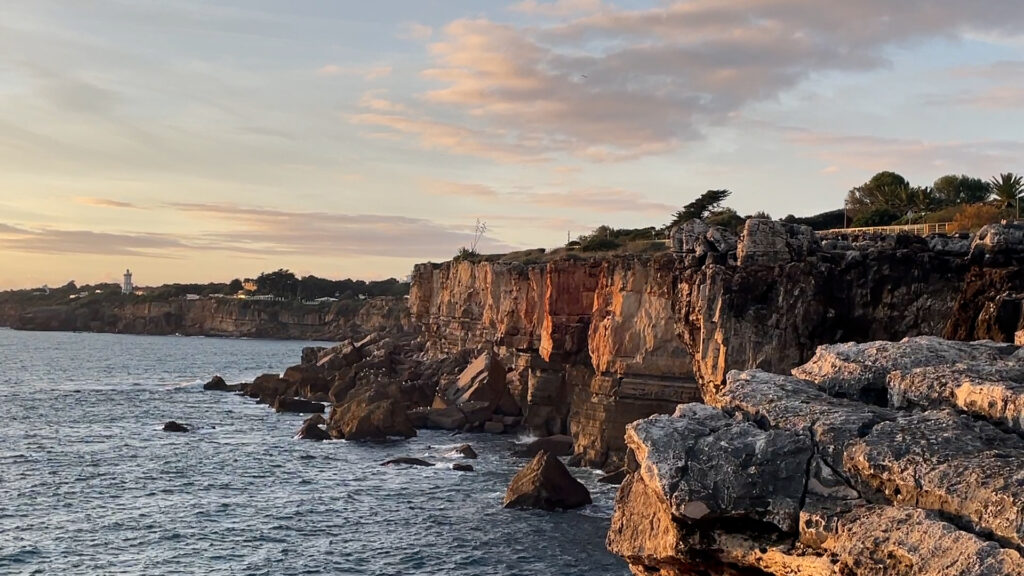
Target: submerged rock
column 558, row 445
column 466, row 451
column 545, row 483
column 173, row 426
column 216, row 383
column 407, row 461
column 462, row 467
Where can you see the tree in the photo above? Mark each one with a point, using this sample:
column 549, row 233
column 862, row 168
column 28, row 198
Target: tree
column 1007, row 189
column 235, row 286
column 885, row 194
column 278, row 283
column 952, row 190
column 701, row 207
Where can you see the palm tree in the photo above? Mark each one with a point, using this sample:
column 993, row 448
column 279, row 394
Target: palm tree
column 1007, row 189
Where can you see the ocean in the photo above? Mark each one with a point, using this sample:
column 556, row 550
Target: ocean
column 90, row 484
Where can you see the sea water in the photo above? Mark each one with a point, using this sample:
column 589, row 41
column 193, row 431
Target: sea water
column 90, row 484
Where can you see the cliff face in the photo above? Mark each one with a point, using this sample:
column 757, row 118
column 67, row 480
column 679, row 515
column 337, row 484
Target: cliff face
column 595, row 344
column 235, row 318
column 590, row 344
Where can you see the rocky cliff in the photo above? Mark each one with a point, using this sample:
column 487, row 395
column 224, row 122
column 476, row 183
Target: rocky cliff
column 590, row 344
column 223, row 317
column 593, row 344
column 784, row 475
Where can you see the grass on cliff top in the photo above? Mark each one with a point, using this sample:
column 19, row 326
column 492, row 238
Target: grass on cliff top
column 593, row 251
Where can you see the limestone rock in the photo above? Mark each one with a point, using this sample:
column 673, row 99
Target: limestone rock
column 545, row 483
column 887, row 540
column 712, row 468
column 462, row 467
column 770, row 242
column 990, row 390
column 968, row 471
column 860, row 371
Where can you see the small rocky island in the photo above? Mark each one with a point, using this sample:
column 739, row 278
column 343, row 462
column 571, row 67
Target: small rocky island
column 773, row 403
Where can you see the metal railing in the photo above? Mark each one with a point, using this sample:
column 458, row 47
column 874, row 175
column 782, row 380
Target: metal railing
column 918, row 229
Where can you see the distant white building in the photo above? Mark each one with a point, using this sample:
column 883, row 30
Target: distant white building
column 127, row 287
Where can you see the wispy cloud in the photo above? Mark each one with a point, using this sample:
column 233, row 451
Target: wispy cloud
column 460, row 189
column 365, row 72
column 559, row 7
column 103, row 202
column 606, row 83
column 414, row 31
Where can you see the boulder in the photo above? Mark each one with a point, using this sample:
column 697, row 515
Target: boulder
column 341, row 356
column 311, row 354
column 370, row 414
column 545, row 483
column 216, row 383
column 462, row 467
column 476, row 411
column 418, row 417
column 450, row 418
column 483, row 381
column 407, row 461
column 466, row 451
column 297, row 405
column 311, row 429
column 494, row 427
column 173, row 426
column 267, row 388
column 558, row 445
column 307, row 380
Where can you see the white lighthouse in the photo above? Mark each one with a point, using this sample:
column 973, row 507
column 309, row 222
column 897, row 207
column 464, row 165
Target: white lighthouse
column 127, row 287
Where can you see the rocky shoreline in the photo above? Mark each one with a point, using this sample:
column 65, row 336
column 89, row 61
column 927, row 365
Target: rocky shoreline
column 673, row 372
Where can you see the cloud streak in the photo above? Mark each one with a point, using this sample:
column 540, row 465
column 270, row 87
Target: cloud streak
column 103, row 202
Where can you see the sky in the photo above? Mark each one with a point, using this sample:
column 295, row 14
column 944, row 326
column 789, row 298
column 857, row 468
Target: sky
column 198, row 141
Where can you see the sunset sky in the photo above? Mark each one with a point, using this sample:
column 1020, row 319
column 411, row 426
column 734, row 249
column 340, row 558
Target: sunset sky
column 203, row 141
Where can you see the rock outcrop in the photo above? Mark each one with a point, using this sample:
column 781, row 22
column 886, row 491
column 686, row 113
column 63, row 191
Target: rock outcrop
column 546, row 483
column 784, row 475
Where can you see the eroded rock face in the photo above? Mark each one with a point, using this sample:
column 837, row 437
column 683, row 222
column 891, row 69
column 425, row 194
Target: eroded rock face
column 780, row 477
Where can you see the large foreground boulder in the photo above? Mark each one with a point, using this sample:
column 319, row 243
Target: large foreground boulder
column 546, row 483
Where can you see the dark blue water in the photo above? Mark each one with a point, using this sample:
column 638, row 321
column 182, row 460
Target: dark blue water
column 89, row 484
